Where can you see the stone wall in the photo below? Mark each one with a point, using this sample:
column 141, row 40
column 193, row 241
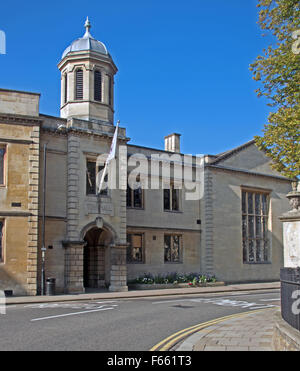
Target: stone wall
column 19, row 103
column 223, row 210
column 285, row 337
column 74, row 268
column 118, row 273
column 19, row 200
column 70, row 212
column 154, row 263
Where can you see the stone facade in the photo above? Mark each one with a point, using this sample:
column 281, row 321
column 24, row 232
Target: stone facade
column 87, row 235
column 71, row 213
column 291, row 229
column 248, row 169
column 285, row 336
column 19, row 193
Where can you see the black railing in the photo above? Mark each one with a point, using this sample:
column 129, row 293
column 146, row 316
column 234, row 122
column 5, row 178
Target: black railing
column 290, row 296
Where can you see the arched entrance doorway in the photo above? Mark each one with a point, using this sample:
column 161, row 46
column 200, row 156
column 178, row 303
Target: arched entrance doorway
column 95, row 258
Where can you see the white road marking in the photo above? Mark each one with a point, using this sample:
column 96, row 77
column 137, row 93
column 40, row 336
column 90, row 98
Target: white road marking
column 70, row 314
column 276, row 299
column 221, row 302
column 170, row 301
column 104, row 302
column 92, row 305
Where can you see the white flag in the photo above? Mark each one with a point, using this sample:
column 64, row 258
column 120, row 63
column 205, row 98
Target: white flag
column 111, row 156
column 112, row 152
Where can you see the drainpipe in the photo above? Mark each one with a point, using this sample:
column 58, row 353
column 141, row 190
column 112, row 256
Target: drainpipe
column 43, row 223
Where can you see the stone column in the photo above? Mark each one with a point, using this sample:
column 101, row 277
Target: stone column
column 118, row 270
column 208, row 224
column 73, row 188
column 74, row 267
column 73, row 246
column 285, row 331
column 291, row 230
column 33, row 208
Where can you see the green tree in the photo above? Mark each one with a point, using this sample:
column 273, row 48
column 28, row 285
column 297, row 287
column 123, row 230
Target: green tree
column 278, row 70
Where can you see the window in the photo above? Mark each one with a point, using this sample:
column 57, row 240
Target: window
column 134, row 197
column 172, row 249
column 256, row 244
column 97, row 86
column 1, row 240
column 91, row 178
column 66, row 88
column 2, row 165
column 110, row 88
column 79, row 85
column 135, row 252
column 171, row 199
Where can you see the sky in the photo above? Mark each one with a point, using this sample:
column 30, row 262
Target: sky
column 183, row 66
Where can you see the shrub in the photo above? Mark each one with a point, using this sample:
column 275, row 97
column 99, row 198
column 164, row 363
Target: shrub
column 174, row 277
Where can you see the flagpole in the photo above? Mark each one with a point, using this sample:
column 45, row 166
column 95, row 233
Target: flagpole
column 111, row 155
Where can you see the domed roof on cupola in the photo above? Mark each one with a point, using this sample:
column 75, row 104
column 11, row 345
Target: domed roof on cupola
column 87, row 42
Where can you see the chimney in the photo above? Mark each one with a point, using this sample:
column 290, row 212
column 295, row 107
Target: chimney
column 172, row 143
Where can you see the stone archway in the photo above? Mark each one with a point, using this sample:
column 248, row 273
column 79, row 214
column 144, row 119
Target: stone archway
column 95, row 267
column 96, row 257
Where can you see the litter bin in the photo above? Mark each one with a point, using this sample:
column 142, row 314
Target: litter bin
column 50, row 286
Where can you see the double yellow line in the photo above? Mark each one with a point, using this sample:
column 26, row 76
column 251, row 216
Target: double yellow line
column 170, row 341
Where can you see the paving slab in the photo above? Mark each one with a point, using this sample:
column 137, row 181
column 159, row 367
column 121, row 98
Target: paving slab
column 236, row 334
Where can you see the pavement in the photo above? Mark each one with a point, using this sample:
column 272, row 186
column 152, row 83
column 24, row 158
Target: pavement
column 104, row 294
column 245, row 332
column 248, row 331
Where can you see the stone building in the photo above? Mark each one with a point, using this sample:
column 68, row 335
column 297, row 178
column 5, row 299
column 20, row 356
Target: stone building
column 19, row 180
column 93, row 240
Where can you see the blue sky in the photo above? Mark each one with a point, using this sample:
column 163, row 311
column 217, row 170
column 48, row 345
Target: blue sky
column 183, row 65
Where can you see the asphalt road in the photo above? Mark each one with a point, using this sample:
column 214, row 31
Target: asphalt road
column 118, row 325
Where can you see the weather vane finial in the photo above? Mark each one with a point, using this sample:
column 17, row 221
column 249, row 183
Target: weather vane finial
column 87, row 26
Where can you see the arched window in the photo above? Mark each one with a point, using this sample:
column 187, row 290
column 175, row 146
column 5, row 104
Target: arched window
column 110, row 89
column 66, row 88
column 79, row 85
column 97, row 86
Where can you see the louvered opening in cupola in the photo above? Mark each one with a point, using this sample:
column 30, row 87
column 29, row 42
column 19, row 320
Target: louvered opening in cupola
column 79, row 85
column 98, row 86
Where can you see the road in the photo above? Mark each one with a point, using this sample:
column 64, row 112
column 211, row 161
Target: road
column 117, row 325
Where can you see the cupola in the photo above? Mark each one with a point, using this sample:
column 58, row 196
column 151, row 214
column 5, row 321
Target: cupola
column 87, row 80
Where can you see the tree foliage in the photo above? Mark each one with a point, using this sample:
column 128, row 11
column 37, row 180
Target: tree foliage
column 278, row 70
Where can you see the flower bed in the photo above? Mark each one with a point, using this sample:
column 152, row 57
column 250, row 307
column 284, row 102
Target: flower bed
column 173, row 280
column 157, row 286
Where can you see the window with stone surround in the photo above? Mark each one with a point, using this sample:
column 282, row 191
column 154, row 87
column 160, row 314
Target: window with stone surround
column 2, row 165
column 171, row 199
column 135, row 248
column 173, row 248
column 1, row 239
column 91, row 178
column 135, row 197
column 255, row 211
